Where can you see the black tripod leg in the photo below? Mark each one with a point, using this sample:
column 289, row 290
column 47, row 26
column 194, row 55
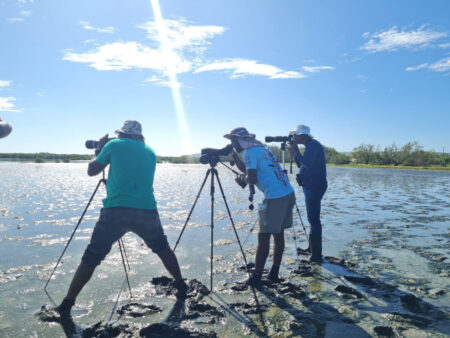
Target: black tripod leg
column 192, row 209
column 74, row 230
column 303, row 225
column 214, row 172
column 122, row 253
column 231, row 218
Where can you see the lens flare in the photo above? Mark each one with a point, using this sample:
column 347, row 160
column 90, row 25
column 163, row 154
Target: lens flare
column 172, row 75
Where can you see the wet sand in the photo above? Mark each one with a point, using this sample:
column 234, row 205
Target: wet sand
column 386, row 235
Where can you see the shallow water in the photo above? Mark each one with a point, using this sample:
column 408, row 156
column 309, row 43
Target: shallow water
column 394, row 224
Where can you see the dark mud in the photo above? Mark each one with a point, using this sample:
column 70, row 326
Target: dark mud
column 134, row 310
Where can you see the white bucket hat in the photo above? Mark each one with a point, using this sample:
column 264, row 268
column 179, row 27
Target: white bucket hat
column 131, row 127
column 301, row 130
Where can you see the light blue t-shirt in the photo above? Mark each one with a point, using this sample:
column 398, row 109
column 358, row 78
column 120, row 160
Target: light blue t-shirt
column 271, row 179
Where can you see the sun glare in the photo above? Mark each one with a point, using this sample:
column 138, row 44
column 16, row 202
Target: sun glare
column 174, row 84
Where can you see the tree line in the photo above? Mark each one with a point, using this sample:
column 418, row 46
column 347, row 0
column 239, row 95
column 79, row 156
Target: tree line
column 410, row 154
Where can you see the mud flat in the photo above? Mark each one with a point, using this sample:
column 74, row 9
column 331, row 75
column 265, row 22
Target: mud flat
column 386, row 271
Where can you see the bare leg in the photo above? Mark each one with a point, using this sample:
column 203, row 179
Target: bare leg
column 262, row 251
column 277, row 256
column 79, row 280
column 278, row 249
column 171, row 263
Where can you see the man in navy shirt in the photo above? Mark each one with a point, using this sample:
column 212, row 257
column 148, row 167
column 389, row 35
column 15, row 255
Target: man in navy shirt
column 313, row 178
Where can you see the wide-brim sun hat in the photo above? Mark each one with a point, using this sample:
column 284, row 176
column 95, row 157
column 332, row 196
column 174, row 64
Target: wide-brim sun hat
column 5, row 128
column 239, row 132
column 301, row 130
column 131, row 127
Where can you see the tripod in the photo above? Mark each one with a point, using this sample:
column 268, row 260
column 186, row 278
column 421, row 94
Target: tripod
column 123, row 253
column 283, row 149
column 214, row 174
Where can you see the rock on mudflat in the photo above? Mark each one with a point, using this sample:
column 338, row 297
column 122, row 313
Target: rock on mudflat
column 135, row 310
column 414, row 304
column 104, row 330
column 161, row 330
column 385, row 331
column 348, row 291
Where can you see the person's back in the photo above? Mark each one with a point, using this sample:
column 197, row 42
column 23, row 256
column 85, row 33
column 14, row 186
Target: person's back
column 313, row 172
column 271, row 179
column 131, row 173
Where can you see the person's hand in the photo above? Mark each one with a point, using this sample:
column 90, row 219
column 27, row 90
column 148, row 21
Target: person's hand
column 293, row 147
column 103, row 141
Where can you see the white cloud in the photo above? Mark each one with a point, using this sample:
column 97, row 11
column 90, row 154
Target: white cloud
column 445, row 45
column 24, row 14
column 184, row 47
column 163, row 82
column 181, row 34
column 411, row 69
column 186, row 44
column 242, row 67
column 128, row 55
column 14, row 20
column 25, row 1
column 108, row 30
column 6, row 104
column 4, row 83
column 440, row 66
column 315, row 69
column 393, row 39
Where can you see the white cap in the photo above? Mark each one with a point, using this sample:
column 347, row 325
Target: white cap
column 301, row 130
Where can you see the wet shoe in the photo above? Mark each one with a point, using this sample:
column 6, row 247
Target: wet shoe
column 273, row 274
column 254, row 280
column 182, row 288
column 316, row 259
column 65, row 307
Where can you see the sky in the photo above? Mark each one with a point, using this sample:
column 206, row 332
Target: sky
column 356, row 72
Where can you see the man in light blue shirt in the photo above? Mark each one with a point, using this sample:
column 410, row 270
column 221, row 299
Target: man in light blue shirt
column 263, row 170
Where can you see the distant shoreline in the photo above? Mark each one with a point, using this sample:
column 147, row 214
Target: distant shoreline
column 403, row 167
column 184, row 160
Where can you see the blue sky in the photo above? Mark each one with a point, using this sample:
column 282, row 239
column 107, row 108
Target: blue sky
column 356, row 72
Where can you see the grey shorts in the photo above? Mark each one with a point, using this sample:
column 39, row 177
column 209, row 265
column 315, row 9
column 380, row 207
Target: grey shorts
column 113, row 223
column 275, row 214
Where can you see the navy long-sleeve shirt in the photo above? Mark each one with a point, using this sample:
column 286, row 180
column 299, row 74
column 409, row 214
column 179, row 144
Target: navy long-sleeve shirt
column 312, row 164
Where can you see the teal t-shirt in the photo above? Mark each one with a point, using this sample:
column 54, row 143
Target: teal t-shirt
column 131, row 171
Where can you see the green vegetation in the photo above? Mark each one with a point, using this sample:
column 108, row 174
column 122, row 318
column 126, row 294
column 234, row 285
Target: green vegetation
column 44, row 157
column 409, row 156
column 179, row 159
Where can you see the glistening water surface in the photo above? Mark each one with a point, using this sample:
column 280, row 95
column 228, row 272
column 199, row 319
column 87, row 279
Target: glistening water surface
column 388, row 231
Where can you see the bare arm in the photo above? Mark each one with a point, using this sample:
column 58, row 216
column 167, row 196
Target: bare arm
column 238, row 161
column 252, row 177
column 95, row 168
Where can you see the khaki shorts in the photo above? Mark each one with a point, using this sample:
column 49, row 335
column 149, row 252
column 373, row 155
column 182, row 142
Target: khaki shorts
column 275, row 215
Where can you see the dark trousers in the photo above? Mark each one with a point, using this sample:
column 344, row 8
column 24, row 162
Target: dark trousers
column 313, row 199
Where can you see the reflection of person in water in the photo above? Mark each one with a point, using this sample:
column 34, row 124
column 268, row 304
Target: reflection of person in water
column 5, row 128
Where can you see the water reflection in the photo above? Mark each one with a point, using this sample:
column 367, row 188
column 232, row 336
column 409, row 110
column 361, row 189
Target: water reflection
column 394, row 225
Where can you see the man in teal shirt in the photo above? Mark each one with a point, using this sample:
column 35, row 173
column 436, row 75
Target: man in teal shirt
column 129, row 206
